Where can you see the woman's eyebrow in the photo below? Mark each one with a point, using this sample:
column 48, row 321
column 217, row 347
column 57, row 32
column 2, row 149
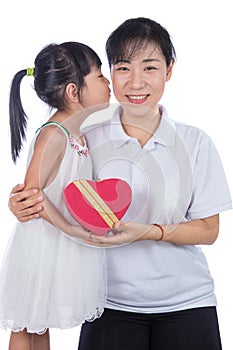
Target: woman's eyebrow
column 146, row 60
column 124, row 60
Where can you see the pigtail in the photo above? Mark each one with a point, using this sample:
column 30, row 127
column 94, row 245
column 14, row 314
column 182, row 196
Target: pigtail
column 56, row 66
column 18, row 118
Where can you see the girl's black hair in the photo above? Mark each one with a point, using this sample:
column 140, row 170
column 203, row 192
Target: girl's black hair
column 133, row 35
column 55, row 66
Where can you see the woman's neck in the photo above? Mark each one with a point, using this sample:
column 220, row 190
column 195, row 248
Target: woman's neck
column 141, row 127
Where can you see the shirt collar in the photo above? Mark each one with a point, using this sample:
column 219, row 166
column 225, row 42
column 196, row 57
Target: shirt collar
column 164, row 135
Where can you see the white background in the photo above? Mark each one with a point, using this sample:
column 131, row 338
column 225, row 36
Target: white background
column 200, row 93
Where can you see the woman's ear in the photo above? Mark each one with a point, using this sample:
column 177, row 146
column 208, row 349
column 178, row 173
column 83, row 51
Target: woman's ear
column 72, row 92
column 169, row 70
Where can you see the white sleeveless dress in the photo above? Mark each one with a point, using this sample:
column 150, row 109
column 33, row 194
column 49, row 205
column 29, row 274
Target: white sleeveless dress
column 49, row 279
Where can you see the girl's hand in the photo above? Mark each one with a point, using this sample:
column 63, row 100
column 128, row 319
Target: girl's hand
column 79, row 232
column 122, row 233
column 25, row 204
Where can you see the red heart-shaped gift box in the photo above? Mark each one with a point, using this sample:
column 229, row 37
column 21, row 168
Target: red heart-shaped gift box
column 98, row 205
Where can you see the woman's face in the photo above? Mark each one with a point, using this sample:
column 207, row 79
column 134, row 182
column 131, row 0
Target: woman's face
column 96, row 91
column 140, row 81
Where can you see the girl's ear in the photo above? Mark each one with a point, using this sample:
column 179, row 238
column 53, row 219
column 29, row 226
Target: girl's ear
column 169, row 70
column 72, row 92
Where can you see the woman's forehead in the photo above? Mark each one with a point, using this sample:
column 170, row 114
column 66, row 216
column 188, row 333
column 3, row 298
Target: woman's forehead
column 148, row 50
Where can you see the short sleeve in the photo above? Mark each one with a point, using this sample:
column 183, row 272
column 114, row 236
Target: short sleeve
column 210, row 193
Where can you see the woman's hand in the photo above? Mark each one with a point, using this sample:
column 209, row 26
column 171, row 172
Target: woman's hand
column 25, row 204
column 122, row 233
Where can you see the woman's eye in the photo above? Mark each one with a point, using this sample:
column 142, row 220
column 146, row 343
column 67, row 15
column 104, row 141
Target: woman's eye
column 122, row 68
column 150, row 68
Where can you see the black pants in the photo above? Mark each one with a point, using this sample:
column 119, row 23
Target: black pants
column 194, row 329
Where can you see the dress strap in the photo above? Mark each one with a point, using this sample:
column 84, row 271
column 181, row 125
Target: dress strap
column 80, row 149
column 54, row 123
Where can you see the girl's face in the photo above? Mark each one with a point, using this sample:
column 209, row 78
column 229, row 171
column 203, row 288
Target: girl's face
column 96, row 89
column 140, row 81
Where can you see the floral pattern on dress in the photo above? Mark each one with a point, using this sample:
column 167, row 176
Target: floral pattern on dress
column 81, row 150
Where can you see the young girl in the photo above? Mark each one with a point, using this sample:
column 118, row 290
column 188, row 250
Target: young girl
column 49, row 279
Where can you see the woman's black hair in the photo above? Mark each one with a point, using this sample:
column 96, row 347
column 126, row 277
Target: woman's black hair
column 55, row 66
column 133, row 35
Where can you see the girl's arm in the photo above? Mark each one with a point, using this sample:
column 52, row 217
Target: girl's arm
column 53, row 216
column 44, row 165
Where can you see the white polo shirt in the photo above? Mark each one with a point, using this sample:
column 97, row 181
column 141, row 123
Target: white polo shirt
column 177, row 176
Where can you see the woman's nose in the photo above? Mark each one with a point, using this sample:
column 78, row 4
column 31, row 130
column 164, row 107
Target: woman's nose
column 136, row 80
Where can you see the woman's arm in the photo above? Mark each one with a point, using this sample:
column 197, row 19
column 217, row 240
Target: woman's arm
column 25, row 204
column 202, row 231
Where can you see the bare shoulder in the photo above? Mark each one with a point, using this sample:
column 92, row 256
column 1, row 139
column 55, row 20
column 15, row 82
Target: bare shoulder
column 51, row 136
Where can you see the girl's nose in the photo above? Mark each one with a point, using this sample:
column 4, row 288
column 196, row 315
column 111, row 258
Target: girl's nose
column 107, row 81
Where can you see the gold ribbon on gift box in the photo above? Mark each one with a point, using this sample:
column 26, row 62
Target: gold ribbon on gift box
column 97, row 202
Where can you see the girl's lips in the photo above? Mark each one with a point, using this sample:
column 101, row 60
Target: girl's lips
column 137, row 99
